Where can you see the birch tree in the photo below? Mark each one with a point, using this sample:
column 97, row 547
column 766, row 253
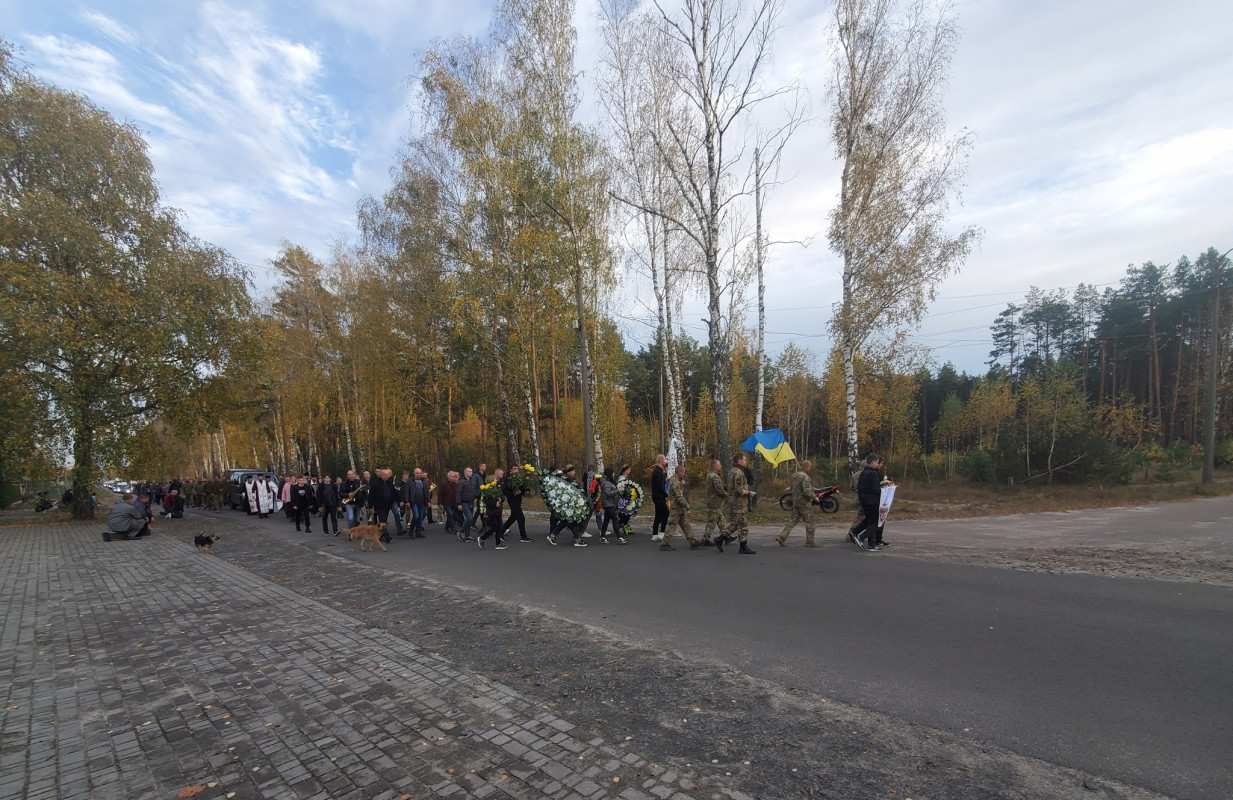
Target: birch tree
column 901, row 172
column 722, row 49
column 640, row 97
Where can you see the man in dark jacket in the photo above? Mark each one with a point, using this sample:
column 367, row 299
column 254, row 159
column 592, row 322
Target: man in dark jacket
column 418, row 495
column 866, row 534
column 492, row 512
column 513, row 499
column 348, row 496
column 479, row 478
column 659, row 496
column 447, row 496
column 303, row 502
column 382, row 496
column 468, row 493
column 327, row 504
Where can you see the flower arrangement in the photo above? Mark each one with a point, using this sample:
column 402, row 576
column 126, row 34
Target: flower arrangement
column 490, row 494
column 631, row 496
column 564, row 498
column 523, row 478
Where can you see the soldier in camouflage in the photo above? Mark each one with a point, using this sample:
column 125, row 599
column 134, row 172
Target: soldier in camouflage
column 217, row 487
column 803, row 499
column 716, row 495
column 678, row 513
column 738, row 509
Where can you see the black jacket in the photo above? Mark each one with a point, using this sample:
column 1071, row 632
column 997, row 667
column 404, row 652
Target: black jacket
column 303, row 498
column 327, row 495
column 513, row 497
column 869, row 487
column 467, row 491
column 381, row 494
column 659, row 488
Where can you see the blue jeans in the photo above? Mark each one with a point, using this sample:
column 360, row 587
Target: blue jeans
column 353, row 514
column 417, row 517
column 451, row 519
column 398, row 526
column 468, row 517
column 575, row 527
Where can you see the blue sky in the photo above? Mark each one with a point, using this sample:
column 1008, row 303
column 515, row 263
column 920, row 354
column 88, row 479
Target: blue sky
column 1104, row 132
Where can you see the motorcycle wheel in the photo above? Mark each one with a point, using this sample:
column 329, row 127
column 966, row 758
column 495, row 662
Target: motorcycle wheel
column 785, row 502
column 830, row 504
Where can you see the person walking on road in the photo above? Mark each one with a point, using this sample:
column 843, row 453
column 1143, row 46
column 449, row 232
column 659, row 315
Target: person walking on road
column 610, row 498
column 382, row 497
column 659, row 496
column 716, row 496
column 679, row 514
column 327, row 505
column 866, row 534
column 303, row 501
column 493, row 509
column 513, row 498
column 738, row 510
column 803, row 500
column 468, row 493
column 447, row 496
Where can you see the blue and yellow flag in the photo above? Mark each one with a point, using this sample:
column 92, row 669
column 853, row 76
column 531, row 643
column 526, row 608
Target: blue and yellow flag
column 776, row 455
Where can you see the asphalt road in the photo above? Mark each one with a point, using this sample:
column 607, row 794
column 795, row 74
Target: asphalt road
column 1125, row 679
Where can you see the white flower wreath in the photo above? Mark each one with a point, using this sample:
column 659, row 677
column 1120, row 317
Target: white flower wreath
column 564, row 498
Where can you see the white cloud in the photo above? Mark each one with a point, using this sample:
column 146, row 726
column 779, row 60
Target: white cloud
column 97, row 74
column 108, row 27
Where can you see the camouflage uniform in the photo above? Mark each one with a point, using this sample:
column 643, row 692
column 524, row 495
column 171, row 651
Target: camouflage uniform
column 678, row 513
column 803, row 497
column 217, row 486
column 738, row 505
column 716, row 494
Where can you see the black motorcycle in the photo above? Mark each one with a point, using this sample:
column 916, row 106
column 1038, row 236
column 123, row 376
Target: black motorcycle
column 827, row 498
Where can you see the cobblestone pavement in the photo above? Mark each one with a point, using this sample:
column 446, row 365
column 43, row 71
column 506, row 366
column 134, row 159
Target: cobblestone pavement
column 145, row 669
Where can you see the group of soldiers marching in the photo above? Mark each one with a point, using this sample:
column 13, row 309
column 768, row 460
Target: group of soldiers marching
column 733, row 493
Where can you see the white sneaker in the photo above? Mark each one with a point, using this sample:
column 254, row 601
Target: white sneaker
column 586, row 535
column 580, row 543
column 659, row 537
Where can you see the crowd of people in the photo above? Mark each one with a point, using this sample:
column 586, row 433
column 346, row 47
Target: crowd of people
column 472, row 503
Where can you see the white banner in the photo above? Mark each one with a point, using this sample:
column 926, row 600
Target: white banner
column 888, row 497
column 675, row 455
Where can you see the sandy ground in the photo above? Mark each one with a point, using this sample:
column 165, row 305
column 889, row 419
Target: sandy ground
column 1181, row 541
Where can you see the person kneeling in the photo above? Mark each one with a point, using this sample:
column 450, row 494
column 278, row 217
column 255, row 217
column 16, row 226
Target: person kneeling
column 126, row 521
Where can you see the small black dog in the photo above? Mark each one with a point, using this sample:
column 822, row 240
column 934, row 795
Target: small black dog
column 205, row 542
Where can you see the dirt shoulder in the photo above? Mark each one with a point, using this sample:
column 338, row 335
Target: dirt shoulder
column 1176, row 541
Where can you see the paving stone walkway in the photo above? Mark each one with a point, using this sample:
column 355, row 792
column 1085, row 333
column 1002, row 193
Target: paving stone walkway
column 145, row 669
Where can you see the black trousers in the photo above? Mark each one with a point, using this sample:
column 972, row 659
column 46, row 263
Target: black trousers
column 516, row 516
column 869, row 525
column 492, row 525
column 330, row 517
column 661, row 517
column 381, row 516
column 304, row 515
column 610, row 516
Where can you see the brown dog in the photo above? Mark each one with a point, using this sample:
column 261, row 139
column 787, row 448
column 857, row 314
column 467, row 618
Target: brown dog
column 205, row 542
column 364, row 533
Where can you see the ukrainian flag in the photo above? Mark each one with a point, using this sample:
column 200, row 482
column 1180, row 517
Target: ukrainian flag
column 777, row 455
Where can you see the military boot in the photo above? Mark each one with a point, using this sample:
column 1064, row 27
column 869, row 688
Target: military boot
column 746, row 551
